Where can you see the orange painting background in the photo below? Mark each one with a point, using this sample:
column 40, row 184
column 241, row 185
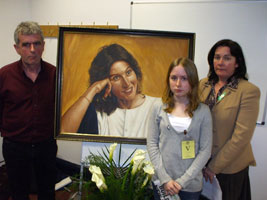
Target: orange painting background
column 153, row 54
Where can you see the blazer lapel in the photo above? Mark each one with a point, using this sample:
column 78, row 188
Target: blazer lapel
column 205, row 91
column 226, row 93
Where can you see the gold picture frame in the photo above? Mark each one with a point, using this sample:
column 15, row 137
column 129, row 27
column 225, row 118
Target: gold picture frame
column 77, row 48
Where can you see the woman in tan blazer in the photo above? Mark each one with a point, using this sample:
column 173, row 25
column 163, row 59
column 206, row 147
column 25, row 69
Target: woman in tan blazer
column 234, row 104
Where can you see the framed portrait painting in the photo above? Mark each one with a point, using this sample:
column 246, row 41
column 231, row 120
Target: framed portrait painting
column 108, row 81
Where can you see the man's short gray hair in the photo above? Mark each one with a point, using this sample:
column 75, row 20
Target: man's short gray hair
column 27, row 28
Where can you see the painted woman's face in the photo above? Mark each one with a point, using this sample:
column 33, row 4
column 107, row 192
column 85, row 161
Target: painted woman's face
column 179, row 83
column 123, row 80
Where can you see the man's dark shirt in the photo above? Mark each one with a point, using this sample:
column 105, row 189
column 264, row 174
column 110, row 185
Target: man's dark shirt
column 27, row 107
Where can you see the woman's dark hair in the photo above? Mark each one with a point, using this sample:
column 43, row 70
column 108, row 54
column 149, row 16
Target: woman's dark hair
column 100, row 69
column 236, row 51
column 192, row 75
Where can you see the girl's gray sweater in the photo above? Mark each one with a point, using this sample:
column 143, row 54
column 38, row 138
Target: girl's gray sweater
column 164, row 148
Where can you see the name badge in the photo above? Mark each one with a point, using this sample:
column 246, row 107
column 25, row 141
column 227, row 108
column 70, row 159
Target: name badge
column 188, row 149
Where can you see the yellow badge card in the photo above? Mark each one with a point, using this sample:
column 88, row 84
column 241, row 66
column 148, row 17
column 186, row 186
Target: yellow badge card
column 188, row 149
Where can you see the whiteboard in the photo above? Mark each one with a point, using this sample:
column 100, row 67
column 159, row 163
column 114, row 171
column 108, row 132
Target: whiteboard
column 242, row 21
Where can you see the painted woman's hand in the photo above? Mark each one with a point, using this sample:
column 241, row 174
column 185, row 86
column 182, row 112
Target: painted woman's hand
column 98, row 86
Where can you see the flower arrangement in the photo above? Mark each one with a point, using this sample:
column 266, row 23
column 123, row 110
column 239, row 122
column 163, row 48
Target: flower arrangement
column 111, row 181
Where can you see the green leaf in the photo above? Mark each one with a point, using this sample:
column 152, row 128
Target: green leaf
column 121, row 184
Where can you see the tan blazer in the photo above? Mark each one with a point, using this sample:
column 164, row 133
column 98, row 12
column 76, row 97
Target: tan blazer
column 234, row 120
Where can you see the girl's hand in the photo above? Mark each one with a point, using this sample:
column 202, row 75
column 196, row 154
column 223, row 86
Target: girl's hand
column 172, row 187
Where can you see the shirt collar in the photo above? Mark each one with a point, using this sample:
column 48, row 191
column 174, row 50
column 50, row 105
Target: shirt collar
column 233, row 83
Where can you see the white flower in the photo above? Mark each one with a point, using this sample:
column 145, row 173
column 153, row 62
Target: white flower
column 98, row 177
column 149, row 170
column 111, row 151
column 137, row 160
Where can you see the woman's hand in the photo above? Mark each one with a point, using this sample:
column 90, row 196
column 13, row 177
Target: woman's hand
column 98, row 86
column 72, row 118
column 172, row 187
column 208, row 174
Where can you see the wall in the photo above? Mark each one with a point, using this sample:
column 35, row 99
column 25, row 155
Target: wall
column 118, row 12
column 244, row 22
column 11, row 12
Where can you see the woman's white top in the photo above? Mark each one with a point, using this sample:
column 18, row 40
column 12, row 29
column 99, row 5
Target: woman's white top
column 127, row 122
